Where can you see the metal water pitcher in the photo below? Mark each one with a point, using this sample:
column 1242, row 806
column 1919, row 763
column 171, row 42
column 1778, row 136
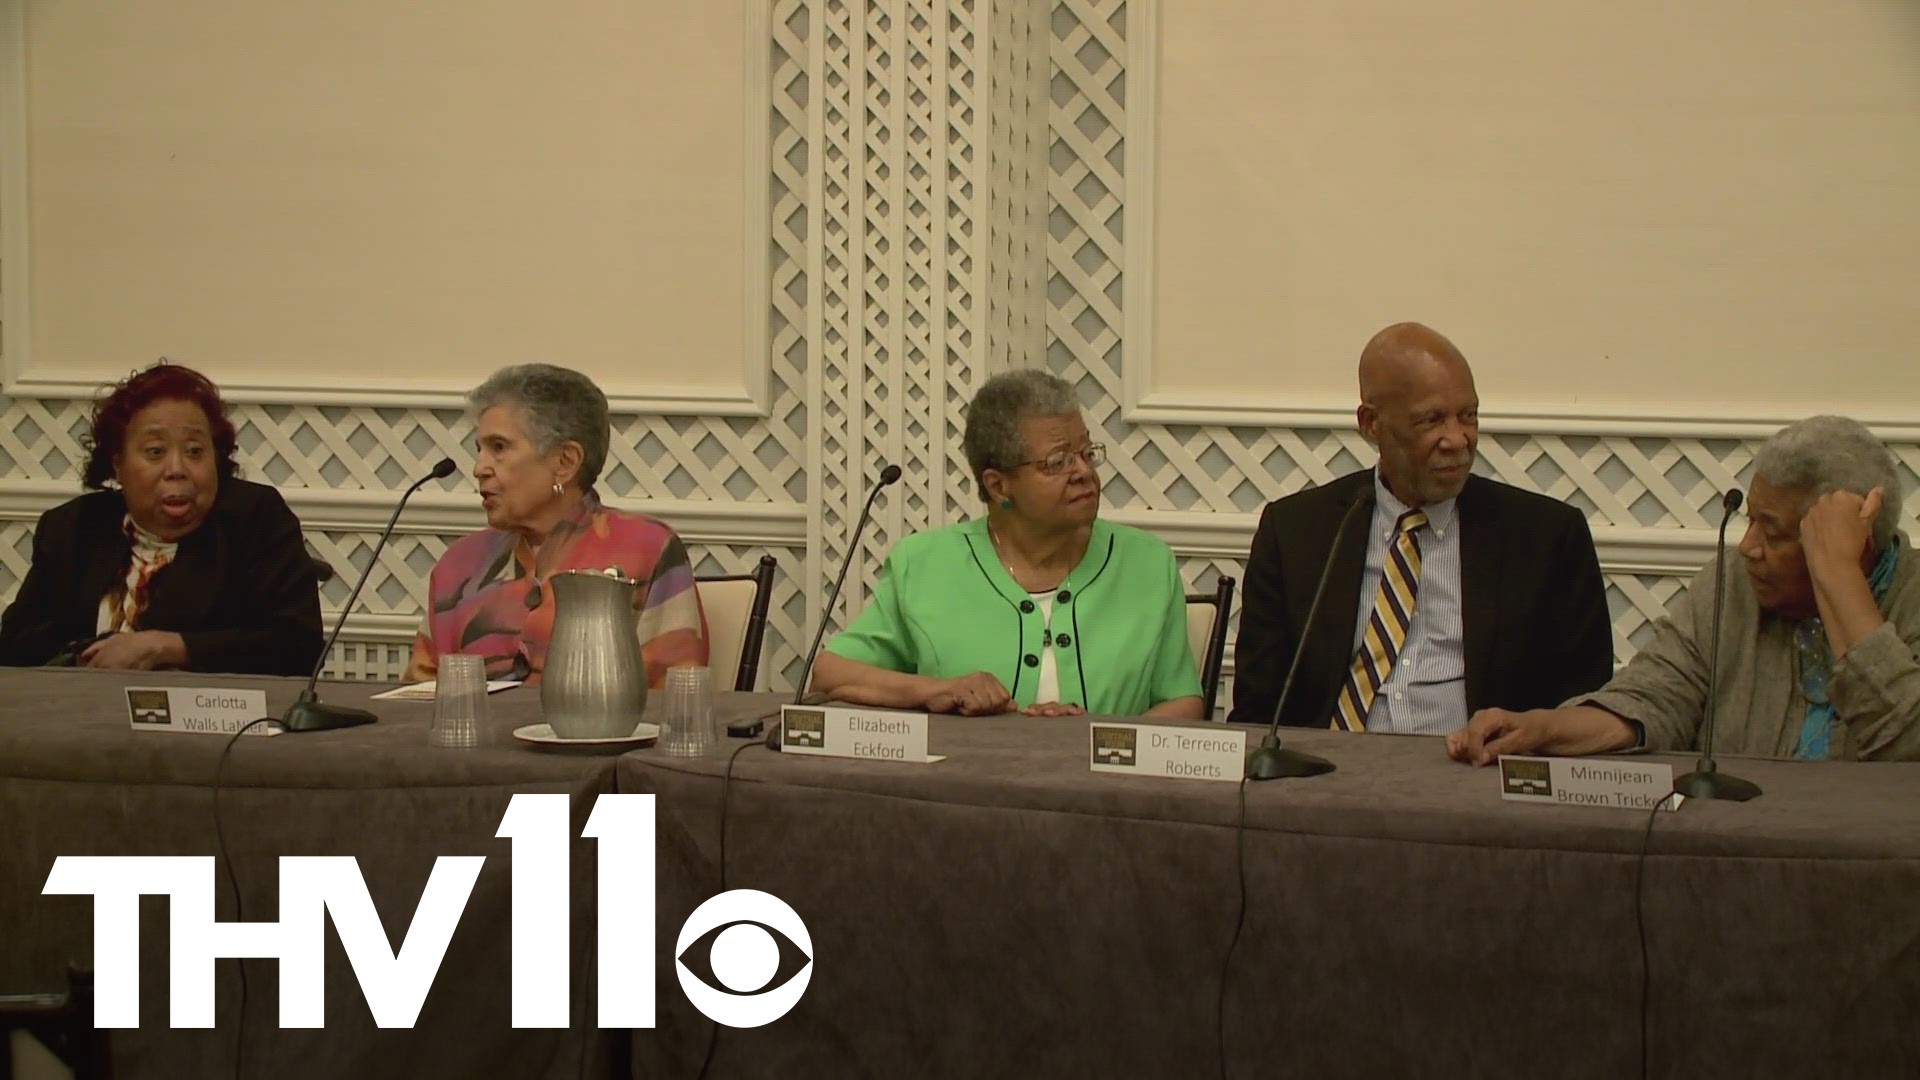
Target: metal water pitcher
column 595, row 684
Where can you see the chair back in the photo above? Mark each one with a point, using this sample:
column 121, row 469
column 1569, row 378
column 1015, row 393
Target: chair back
column 1207, row 616
column 736, row 607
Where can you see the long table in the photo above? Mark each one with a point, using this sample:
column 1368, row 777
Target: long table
column 75, row 780
column 1007, row 913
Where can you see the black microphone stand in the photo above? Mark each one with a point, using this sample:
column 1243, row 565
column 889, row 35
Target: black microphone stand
column 1706, row 781
column 747, row 729
column 308, row 712
column 1273, row 761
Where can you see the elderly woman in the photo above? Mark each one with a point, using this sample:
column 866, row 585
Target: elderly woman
column 1818, row 641
column 177, row 564
column 541, row 441
column 1038, row 606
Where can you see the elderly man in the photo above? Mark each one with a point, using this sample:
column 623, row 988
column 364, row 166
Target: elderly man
column 1446, row 593
column 1819, row 640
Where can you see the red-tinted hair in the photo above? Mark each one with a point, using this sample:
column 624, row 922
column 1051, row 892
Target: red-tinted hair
column 162, row 382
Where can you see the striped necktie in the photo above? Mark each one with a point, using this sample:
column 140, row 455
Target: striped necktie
column 1386, row 627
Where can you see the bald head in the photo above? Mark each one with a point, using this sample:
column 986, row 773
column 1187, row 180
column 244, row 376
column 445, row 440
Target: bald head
column 1419, row 406
column 1397, row 358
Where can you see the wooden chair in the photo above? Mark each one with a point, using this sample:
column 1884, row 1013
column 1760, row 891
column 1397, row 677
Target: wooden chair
column 736, row 607
column 39, row 1027
column 1207, row 615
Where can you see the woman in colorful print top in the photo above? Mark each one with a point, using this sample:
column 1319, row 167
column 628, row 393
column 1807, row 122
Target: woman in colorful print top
column 541, row 442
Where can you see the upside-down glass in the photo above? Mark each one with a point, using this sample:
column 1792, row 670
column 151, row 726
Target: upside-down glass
column 686, row 715
column 459, row 701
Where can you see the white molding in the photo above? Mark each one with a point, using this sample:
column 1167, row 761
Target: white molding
column 452, row 513
column 1256, row 408
column 14, row 239
column 366, row 627
column 1622, row 550
column 1191, row 533
column 657, row 400
column 752, row 398
column 756, row 210
column 1142, row 403
column 1140, row 131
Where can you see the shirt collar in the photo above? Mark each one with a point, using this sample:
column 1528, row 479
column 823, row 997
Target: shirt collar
column 145, row 542
column 576, row 520
column 1440, row 515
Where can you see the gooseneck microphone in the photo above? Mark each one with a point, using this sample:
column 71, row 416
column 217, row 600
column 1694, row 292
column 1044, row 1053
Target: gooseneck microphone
column 1273, row 761
column 748, row 729
column 1706, row 781
column 308, row 712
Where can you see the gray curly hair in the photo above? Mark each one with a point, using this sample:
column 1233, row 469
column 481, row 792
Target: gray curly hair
column 556, row 404
column 1824, row 454
column 992, row 439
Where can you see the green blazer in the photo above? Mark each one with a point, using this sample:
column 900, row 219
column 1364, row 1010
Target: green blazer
column 946, row 607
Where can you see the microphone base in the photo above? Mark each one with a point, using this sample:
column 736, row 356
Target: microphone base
column 1709, row 784
column 1273, row 762
column 307, row 715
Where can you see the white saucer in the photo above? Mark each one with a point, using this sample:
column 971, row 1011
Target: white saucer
column 542, row 735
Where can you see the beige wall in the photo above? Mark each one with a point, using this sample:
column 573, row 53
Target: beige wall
column 1638, row 208
column 385, row 195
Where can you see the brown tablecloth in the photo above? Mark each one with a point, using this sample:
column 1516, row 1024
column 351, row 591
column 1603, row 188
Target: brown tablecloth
column 1008, row 913
column 75, row 780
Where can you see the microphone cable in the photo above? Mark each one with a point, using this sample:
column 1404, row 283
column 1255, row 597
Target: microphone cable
column 726, row 796
column 1239, row 923
column 1640, row 928
column 233, row 886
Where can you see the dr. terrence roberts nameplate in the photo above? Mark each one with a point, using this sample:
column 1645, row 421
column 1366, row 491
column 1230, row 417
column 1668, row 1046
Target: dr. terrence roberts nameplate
column 208, row 709
column 1188, row 753
column 1616, row 782
column 869, row 734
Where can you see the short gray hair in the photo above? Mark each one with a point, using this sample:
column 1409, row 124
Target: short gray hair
column 556, row 404
column 992, row 439
column 1824, row 454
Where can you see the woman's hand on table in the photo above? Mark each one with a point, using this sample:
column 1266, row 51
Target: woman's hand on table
column 978, row 694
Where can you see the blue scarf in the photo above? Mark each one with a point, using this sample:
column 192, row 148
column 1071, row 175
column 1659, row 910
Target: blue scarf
column 1816, row 665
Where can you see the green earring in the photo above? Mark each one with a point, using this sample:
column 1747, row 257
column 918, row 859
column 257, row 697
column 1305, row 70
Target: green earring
column 1006, row 504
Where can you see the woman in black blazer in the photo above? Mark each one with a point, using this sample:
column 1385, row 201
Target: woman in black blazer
column 180, row 564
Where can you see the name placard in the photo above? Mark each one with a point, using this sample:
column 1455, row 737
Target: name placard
column 208, row 709
column 1615, row 782
column 1185, row 753
column 868, row 734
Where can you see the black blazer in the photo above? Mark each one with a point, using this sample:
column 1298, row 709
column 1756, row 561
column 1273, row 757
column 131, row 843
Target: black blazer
column 240, row 591
column 1533, row 606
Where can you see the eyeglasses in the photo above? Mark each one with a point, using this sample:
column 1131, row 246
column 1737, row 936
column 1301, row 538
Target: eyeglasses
column 1061, row 460
column 1816, row 660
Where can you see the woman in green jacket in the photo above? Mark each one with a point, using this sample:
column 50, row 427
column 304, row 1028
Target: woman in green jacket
column 1039, row 606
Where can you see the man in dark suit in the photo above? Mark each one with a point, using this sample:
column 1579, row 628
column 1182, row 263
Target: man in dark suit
column 1447, row 592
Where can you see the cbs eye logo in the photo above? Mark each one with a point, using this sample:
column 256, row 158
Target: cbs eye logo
column 744, row 958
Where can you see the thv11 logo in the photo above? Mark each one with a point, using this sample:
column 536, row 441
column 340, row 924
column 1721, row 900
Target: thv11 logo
column 750, row 936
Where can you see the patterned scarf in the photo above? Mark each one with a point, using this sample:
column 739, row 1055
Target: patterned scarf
column 1816, row 665
column 127, row 601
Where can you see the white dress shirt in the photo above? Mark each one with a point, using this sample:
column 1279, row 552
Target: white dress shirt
column 1426, row 693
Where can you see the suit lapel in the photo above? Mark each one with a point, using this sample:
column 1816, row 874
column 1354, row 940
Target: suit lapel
column 1332, row 646
column 1481, row 545
column 183, row 591
column 106, row 547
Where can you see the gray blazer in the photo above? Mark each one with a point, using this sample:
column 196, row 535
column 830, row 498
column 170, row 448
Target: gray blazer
column 1875, row 688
